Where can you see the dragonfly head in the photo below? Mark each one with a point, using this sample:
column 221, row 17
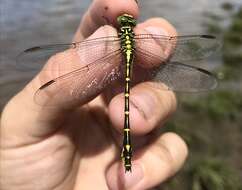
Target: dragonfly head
column 126, row 20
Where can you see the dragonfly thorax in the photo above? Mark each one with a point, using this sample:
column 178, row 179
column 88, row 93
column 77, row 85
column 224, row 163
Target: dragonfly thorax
column 127, row 38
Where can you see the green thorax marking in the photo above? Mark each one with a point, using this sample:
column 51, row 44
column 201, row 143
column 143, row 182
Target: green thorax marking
column 126, row 33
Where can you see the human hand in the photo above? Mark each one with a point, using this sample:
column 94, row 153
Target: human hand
column 77, row 146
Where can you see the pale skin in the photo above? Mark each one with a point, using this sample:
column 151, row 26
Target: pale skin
column 77, row 147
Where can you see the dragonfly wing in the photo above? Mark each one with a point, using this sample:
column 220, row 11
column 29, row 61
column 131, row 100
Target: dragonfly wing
column 179, row 48
column 34, row 58
column 88, row 81
column 184, row 78
column 176, row 76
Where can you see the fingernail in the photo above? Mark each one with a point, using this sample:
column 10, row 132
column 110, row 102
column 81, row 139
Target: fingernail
column 133, row 178
column 145, row 103
column 156, row 30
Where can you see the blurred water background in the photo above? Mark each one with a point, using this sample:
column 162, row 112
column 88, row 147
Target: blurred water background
column 210, row 123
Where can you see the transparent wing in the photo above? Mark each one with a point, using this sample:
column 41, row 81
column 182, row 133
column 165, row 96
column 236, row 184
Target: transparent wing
column 176, row 76
column 101, row 54
column 34, row 58
column 82, row 83
column 178, row 48
column 184, row 78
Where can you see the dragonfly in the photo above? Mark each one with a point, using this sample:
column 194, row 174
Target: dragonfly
column 126, row 57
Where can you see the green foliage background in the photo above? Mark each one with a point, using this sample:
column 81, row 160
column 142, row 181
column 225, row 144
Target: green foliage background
column 211, row 123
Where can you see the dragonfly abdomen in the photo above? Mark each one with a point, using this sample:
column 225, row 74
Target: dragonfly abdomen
column 128, row 47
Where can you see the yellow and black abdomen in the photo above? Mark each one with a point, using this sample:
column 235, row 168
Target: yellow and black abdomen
column 127, row 45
